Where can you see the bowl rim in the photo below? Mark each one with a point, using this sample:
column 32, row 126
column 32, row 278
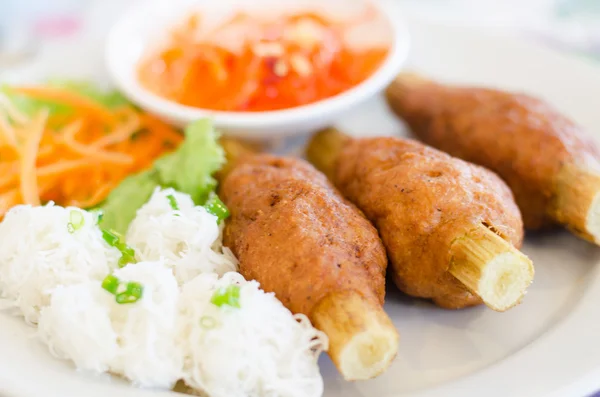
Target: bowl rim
column 397, row 55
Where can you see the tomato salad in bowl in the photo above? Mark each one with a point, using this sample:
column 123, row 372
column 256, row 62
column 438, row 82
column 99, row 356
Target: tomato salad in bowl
column 257, row 70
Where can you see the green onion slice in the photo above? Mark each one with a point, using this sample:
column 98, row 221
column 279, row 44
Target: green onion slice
column 229, row 295
column 99, row 216
column 114, row 239
column 173, row 202
column 124, row 298
column 76, row 221
column 111, row 238
column 111, row 284
column 132, row 293
column 216, row 207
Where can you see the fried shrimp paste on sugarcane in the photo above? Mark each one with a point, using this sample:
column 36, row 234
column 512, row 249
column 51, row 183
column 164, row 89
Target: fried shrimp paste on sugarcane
column 295, row 234
column 451, row 229
column 551, row 164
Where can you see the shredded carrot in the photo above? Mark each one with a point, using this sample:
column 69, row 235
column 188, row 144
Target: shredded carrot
column 8, row 180
column 71, row 99
column 75, row 157
column 167, row 132
column 100, row 193
column 64, row 167
column 249, row 64
column 45, row 152
column 7, row 133
column 121, row 133
column 29, row 186
column 15, row 114
column 8, row 200
column 69, row 140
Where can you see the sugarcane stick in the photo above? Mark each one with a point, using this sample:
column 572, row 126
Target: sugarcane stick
column 491, row 268
column 485, row 263
column 551, row 164
column 323, row 150
column 234, row 149
column 363, row 341
column 577, row 202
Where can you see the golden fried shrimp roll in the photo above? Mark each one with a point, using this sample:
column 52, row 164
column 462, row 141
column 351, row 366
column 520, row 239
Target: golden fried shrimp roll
column 549, row 162
column 296, row 235
column 451, row 229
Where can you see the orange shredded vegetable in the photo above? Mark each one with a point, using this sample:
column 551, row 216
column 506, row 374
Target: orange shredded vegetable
column 71, row 99
column 75, row 158
column 28, row 154
column 292, row 61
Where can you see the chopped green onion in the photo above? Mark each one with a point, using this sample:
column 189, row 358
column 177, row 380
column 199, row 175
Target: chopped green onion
column 172, row 202
column 76, row 221
column 111, row 284
column 127, row 250
column 132, row 293
column 216, row 207
column 124, row 298
column 111, row 238
column 99, row 216
column 227, row 296
column 208, row 322
column 114, row 239
column 127, row 255
column 135, row 289
column 125, row 260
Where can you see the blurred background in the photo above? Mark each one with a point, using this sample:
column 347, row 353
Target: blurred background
column 34, row 31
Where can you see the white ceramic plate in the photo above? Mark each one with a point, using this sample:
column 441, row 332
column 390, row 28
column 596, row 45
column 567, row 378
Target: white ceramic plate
column 547, row 346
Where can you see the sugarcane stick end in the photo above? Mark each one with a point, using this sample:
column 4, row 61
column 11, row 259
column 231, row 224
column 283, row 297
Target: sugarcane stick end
column 593, row 219
column 491, row 268
column 411, row 77
column 234, row 149
column 324, row 148
column 405, row 80
column 362, row 339
column 577, row 203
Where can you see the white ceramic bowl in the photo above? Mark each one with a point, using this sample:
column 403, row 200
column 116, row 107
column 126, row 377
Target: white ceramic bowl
column 146, row 25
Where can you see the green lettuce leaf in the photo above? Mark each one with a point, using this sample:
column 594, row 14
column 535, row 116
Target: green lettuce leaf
column 122, row 203
column 188, row 169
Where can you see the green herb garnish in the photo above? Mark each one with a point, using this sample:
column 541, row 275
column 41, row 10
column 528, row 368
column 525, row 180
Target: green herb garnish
column 216, row 207
column 227, row 296
column 99, row 215
column 132, row 293
column 173, row 202
column 111, row 284
column 76, row 221
column 111, row 238
column 127, row 255
column 114, row 239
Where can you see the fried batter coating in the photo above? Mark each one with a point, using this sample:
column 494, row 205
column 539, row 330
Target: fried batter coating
column 295, row 234
column 422, row 201
column 533, row 147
